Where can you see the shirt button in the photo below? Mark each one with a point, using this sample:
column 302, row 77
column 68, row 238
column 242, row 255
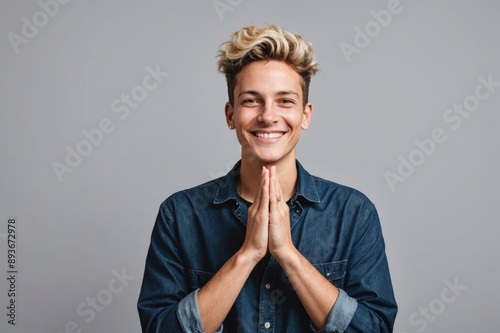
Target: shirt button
column 267, row 324
column 268, row 286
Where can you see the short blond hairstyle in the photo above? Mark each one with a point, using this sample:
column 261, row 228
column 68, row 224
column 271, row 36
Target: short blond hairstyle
column 269, row 42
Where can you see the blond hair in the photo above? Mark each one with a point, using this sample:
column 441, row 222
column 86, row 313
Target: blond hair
column 254, row 43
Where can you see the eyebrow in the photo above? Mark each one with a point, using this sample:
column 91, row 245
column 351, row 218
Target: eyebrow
column 287, row 92
column 279, row 93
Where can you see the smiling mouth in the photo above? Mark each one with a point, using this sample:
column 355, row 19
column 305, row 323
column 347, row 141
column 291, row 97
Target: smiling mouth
column 273, row 135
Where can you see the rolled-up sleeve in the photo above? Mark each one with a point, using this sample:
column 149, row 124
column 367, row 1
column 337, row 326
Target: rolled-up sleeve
column 340, row 315
column 189, row 316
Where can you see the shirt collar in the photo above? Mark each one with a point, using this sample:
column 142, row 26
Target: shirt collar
column 306, row 186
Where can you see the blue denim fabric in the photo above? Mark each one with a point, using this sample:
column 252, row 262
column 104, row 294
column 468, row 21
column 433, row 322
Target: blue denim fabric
column 335, row 227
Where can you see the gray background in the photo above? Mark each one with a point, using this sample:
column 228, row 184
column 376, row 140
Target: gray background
column 440, row 224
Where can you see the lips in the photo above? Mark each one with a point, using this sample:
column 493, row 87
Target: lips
column 266, row 135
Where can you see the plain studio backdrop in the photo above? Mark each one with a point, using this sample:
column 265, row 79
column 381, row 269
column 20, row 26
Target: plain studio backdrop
column 108, row 107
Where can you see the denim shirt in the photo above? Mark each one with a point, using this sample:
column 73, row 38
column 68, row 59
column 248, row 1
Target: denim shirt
column 335, row 227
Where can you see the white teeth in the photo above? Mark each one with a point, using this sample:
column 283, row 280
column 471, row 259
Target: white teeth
column 269, row 135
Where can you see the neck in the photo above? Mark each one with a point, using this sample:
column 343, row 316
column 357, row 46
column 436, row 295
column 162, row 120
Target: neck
column 250, row 175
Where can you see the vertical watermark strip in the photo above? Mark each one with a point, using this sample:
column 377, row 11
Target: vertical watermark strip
column 12, row 271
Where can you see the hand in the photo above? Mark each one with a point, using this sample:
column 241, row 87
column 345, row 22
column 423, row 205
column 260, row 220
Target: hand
column 256, row 237
column 280, row 236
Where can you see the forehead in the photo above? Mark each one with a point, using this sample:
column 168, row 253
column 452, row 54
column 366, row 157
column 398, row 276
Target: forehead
column 268, row 76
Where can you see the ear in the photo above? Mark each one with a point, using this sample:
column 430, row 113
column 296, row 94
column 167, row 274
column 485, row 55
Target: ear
column 306, row 116
column 229, row 111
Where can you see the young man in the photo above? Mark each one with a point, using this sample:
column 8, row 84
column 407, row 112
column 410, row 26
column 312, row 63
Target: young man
column 268, row 247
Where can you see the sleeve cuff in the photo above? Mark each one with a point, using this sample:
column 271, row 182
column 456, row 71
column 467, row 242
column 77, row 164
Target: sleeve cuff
column 188, row 314
column 340, row 315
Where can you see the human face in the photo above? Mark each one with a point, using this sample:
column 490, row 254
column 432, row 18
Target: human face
column 268, row 112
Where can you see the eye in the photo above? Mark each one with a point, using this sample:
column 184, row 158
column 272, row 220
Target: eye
column 287, row 102
column 250, row 101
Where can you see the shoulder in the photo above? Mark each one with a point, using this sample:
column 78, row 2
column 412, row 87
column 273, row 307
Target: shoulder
column 325, row 191
column 346, row 202
column 344, row 199
column 202, row 194
column 328, row 188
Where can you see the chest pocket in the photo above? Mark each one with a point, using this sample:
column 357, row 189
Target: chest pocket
column 198, row 279
column 334, row 271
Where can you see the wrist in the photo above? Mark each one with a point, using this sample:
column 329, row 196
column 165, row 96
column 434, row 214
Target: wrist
column 247, row 258
column 289, row 257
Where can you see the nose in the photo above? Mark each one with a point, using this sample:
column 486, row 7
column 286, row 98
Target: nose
column 268, row 114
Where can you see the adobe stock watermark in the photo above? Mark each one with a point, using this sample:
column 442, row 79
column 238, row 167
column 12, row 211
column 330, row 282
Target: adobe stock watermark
column 363, row 37
column 30, row 26
column 453, row 117
column 421, row 318
column 223, row 6
column 87, row 310
column 121, row 107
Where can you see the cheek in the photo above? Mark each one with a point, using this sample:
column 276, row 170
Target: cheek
column 295, row 121
column 243, row 118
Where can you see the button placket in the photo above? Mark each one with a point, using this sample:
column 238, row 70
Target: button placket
column 295, row 212
column 267, row 302
column 240, row 212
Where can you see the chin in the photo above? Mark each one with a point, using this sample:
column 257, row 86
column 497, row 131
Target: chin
column 266, row 159
column 261, row 158
column 267, row 156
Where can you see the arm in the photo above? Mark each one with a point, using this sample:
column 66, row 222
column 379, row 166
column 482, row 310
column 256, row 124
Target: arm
column 315, row 292
column 367, row 303
column 216, row 298
column 164, row 303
